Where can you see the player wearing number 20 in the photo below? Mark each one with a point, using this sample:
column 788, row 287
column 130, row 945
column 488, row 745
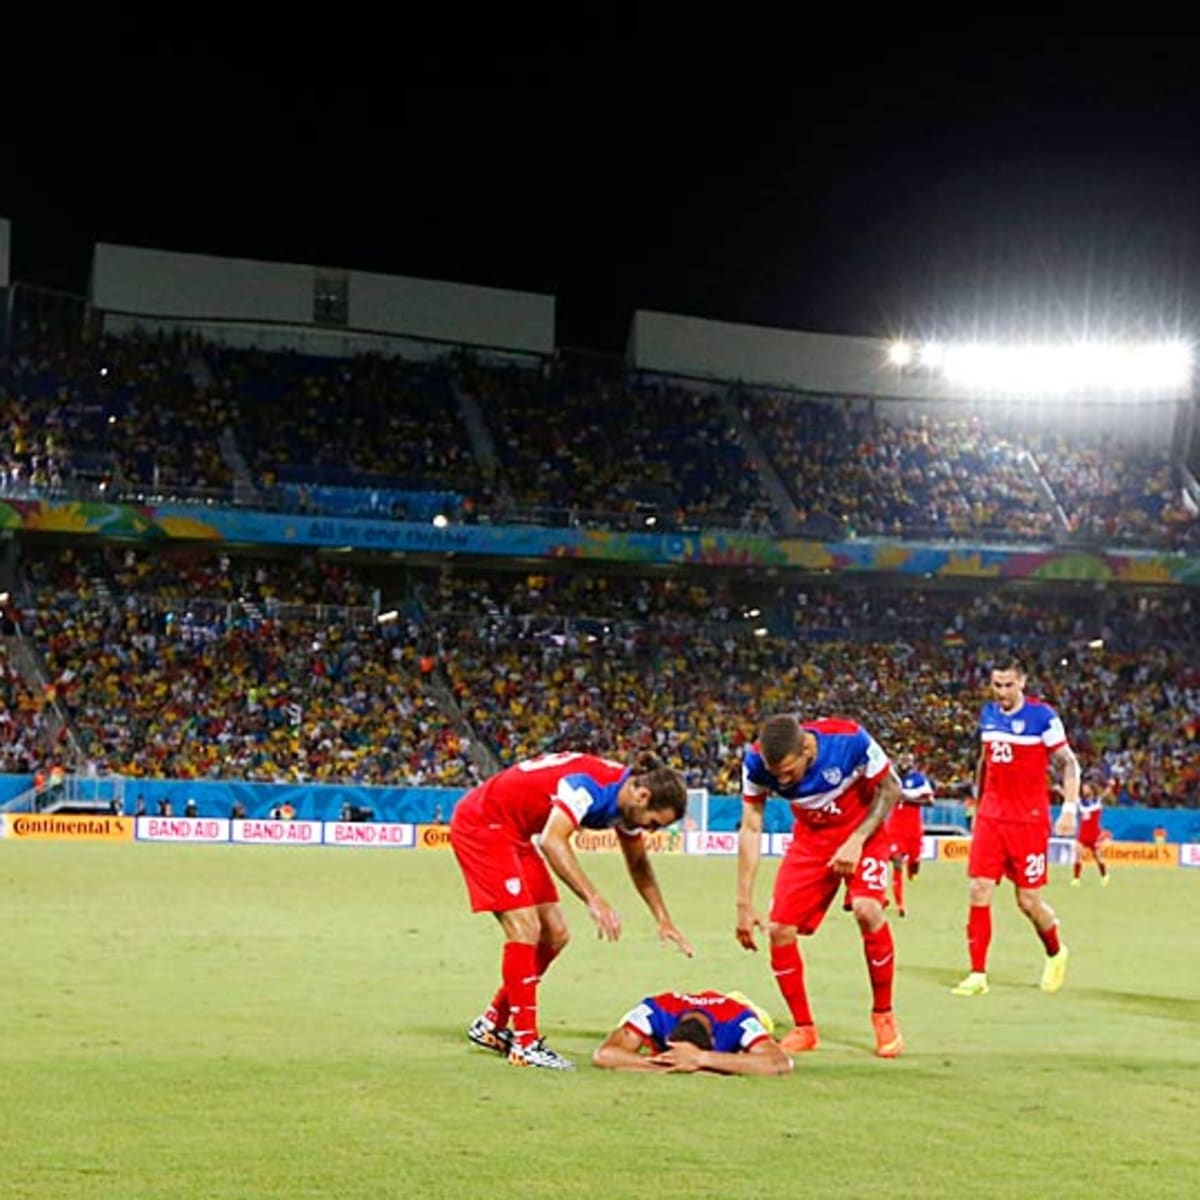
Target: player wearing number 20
column 1020, row 738
column 841, row 787
column 492, row 833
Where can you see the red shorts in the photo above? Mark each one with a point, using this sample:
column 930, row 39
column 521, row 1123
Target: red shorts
column 905, row 829
column 1089, row 834
column 1009, row 849
column 502, row 870
column 805, row 886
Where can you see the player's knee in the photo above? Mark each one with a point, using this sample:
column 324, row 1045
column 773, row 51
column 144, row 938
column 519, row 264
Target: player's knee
column 868, row 912
column 781, row 935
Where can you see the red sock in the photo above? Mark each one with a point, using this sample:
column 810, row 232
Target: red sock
column 1078, row 867
column 898, row 886
column 519, row 968
column 789, row 974
column 546, row 954
column 1049, row 938
column 979, row 935
column 881, row 966
column 498, row 1011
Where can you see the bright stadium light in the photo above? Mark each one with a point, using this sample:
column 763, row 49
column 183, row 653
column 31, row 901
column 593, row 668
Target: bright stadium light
column 440, row 521
column 1110, row 368
column 900, row 354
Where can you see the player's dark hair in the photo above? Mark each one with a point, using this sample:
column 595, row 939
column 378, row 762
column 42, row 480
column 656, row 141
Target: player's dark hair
column 668, row 791
column 779, row 737
column 1009, row 662
column 695, row 1029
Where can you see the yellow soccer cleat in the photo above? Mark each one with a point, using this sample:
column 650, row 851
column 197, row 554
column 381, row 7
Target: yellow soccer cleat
column 1055, row 970
column 975, row 984
column 1104, row 880
column 1075, row 881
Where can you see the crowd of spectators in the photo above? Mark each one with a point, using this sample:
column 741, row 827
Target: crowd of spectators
column 599, row 444
column 271, row 689
column 576, row 441
column 132, row 412
column 854, row 473
column 262, row 684
column 363, row 419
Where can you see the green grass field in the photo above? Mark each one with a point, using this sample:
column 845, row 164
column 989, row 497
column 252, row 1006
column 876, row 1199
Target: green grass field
column 219, row 1022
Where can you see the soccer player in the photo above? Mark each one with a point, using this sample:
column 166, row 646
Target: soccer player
column 681, row 1032
column 904, row 826
column 1020, row 737
column 492, row 831
column 841, row 786
column 1088, row 840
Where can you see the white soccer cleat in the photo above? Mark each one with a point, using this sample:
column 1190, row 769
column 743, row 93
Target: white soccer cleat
column 538, row 1054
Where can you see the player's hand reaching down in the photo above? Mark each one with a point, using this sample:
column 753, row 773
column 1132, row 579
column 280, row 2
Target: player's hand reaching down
column 608, row 920
column 668, row 932
column 747, row 919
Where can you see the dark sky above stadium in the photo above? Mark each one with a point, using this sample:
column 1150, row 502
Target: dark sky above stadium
column 852, row 182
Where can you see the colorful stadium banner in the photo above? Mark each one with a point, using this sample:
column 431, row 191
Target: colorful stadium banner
column 362, row 833
column 433, row 837
column 710, row 548
column 1189, row 854
column 53, row 827
column 182, row 829
column 279, row 833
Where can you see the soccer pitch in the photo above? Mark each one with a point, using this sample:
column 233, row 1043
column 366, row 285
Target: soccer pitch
column 243, row 1022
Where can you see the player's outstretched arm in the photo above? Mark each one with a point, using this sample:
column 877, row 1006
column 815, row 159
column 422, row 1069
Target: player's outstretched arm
column 559, row 853
column 621, row 1051
column 641, row 871
column 749, row 855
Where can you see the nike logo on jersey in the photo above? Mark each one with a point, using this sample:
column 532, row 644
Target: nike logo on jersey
column 881, row 962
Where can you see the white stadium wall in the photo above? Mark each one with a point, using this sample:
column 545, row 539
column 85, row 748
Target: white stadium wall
column 452, row 312
column 834, row 366
column 244, row 301
column 4, row 251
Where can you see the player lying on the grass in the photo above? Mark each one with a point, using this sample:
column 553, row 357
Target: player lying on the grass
column 681, row 1032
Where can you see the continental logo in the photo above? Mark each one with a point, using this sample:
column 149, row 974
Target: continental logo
column 55, row 828
column 1141, row 854
column 433, row 837
column 954, row 849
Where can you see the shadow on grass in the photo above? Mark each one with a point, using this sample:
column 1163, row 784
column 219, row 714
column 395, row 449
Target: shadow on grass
column 1169, row 1008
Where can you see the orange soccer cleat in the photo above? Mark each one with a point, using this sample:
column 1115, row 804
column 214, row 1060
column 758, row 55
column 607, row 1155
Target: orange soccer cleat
column 801, row 1039
column 888, row 1042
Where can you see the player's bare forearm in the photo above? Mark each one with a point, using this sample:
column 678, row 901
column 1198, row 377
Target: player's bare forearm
column 565, row 865
column 749, row 852
column 684, row 1058
column 887, row 796
column 1065, row 761
column 620, row 1051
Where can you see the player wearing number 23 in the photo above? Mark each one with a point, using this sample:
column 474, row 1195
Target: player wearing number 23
column 1020, row 737
column 841, row 786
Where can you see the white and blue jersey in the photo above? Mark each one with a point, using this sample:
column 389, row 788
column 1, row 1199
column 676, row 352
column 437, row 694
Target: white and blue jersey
column 915, row 788
column 734, row 1027
column 839, row 785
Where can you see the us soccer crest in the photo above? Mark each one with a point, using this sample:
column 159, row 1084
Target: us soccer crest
column 832, row 776
column 1018, row 727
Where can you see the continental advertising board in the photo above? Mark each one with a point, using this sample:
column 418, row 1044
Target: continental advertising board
column 54, row 827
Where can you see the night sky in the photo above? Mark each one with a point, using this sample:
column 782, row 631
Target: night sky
column 857, row 183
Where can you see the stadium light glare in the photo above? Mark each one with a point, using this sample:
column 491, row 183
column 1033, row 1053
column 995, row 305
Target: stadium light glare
column 388, row 618
column 1049, row 368
column 900, row 354
column 440, row 521
column 1096, row 644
